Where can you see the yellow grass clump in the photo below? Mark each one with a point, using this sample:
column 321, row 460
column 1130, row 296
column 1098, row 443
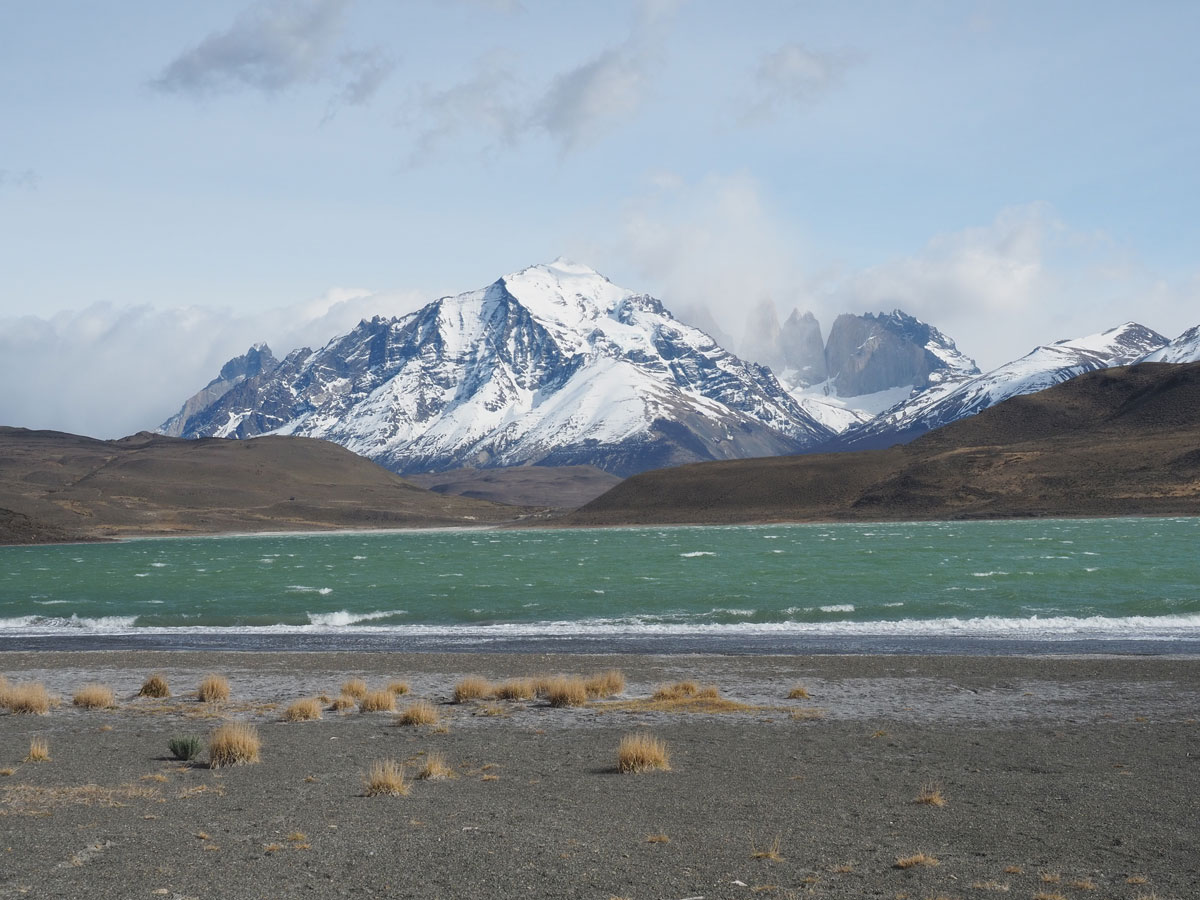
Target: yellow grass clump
column 386, row 776
column 303, row 710
column 566, row 691
column 26, row 699
column 686, row 690
column 931, row 795
column 605, row 684
column 516, row 689
column 770, row 853
column 642, row 752
column 798, row 692
column 916, row 859
column 213, row 689
column 39, row 750
column 398, row 688
column 422, row 712
column 356, row 688
column 435, row 768
column 94, row 696
column 155, row 686
column 378, row 701
column 473, row 688
column 342, row 703
column 657, row 839
column 233, row 744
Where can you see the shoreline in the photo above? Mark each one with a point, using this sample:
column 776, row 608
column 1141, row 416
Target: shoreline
column 551, row 523
column 1055, row 773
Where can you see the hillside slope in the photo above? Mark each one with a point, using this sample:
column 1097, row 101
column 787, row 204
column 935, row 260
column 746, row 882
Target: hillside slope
column 57, row 487
column 1122, row 441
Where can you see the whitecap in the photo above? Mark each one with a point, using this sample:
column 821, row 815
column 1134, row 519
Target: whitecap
column 696, row 553
column 837, row 607
column 342, row 617
column 305, row 589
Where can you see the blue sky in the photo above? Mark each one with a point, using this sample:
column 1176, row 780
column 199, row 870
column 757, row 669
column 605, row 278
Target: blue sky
column 180, row 180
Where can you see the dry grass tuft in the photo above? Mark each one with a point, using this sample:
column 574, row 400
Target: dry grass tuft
column 356, row 688
column 770, row 853
column 1082, row 884
column 605, row 684
column 642, row 752
column 303, row 710
column 39, row 750
column 378, row 701
column 565, row 691
column 155, row 686
column 516, row 689
column 398, row 688
column 682, row 689
column 94, row 696
column 1049, row 877
column 26, row 699
column 4, row 773
column 916, row 859
column 931, row 795
column 342, row 704
column 492, row 709
column 435, row 768
column 1013, row 870
column 213, row 689
column 386, row 777
column 807, row 714
column 473, row 688
column 998, row 886
column 233, row 744
column 799, row 692
column 420, row 713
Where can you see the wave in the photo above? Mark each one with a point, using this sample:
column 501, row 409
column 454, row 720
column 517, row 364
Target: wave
column 305, row 589
column 696, row 553
column 1034, row 628
column 343, row 618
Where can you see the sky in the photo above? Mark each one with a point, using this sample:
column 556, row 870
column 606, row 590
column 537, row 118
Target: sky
column 179, row 181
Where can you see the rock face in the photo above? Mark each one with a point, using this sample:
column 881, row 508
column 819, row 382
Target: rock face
column 803, row 349
column 255, row 361
column 553, row 365
column 871, row 353
column 1184, row 349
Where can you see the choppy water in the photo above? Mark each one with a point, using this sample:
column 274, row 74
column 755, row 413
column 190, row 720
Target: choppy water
column 1062, row 580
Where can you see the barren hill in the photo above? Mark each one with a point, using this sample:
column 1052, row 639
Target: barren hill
column 1122, row 441
column 57, row 487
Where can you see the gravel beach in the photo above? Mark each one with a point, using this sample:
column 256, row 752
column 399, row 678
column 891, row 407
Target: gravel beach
column 1057, row 777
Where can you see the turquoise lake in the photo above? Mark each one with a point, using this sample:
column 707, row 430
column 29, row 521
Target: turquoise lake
column 1048, row 580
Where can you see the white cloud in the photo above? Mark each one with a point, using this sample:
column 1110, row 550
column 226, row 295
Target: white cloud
column 1026, row 278
column 584, row 103
column 109, row 370
column 793, row 75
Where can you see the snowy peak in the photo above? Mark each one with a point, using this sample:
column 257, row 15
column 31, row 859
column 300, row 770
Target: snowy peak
column 553, row 364
column 1041, row 368
column 1184, row 349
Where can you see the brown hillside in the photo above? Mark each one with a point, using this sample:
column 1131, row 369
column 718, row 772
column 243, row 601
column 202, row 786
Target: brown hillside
column 1114, row 442
column 56, row 486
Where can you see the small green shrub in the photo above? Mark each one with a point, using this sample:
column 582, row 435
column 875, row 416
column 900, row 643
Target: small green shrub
column 187, row 747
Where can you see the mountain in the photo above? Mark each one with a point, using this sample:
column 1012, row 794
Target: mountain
column 553, row 366
column 1117, row 441
column 65, row 487
column 1043, row 367
column 1185, row 348
column 255, row 361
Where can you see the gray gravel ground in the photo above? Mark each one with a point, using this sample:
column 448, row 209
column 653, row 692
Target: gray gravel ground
column 1058, row 774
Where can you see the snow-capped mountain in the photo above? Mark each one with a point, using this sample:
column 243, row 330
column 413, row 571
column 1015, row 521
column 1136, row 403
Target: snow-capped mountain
column 873, row 362
column 553, row 365
column 1184, row 349
column 1045, row 366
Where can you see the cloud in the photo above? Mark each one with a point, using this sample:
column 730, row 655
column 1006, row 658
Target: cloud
column 1024, row 279
column 364, row 72
column 581, row 105
column 110, row 370
column 26, row 179
column 483, row 104
column 712, row 247
column 793, row 76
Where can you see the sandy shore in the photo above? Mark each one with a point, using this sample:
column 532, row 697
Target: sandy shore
column 1071, row 777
